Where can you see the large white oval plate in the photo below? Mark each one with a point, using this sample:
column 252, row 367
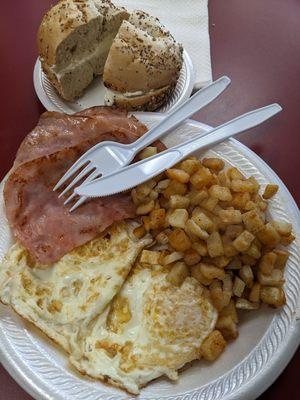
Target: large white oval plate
column 94, row 95
column 267, row 339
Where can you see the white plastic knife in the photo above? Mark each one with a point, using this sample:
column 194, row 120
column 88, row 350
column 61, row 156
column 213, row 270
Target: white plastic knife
column 140, row 172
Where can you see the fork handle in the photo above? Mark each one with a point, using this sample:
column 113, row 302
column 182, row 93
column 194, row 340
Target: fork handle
column 181, row 113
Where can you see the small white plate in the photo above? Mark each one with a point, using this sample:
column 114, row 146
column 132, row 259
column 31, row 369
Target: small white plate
column 94, row 95
column 267, row 338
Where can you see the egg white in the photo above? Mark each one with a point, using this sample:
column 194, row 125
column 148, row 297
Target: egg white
column 152, row 328
column 63, row 299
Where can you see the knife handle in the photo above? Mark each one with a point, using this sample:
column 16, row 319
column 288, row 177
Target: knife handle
column 231, row 128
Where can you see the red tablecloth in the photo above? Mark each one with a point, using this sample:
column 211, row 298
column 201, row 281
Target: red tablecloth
column 256, row 43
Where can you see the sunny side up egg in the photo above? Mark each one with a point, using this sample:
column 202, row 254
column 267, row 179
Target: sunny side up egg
column 62, row 299
column 152, row 328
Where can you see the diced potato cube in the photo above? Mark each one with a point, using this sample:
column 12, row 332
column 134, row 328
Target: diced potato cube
column 253, row 221
column 175, row 187
column 220, row 192
column 224, row 180
column 139, row 231
column 174, row 256
column 274, row 279
column 162, row 185
column 178, row 175
column 281, row 260
column 238, row 286
column 197, row 196
column 269, row 236
column 233, row 231
column 235, row 263
column 282, row 227
column 209, row 204
column 147, row 152
column 254, row 251
column 227, row 327
column 273, row 296
column 190, row 166
column 177, row 218
column 239, row 200
column 237, row 185
column 210, row 271
column 150, row 257
column 230, row 311
column 221, row 261
column 146, row 187
column 229, row 249
column 153, row 195
column 179, row 240
column 157, row 218
column 234, row 173
column 231, row 217
column 244, row 304
column 137, row 198
column 248, row 260
column 197, row 274
column 254, row 295
column 191, row 257
column 216, row 164
column 162, row 237
column 200, row 247
column 201, row 178
column 270, row 190
column 195, row 229
column 215, row 245
column 255, row 184
column 286, row 240
column 178, row 201
column 246, row 275
column 243, row 241
column 202, row 219
column 250, row 205
column 145, row 208
column 213, row 346
column 178, row 274
column 267, row 262
column 216, row 295
column 227, row 283
column 146, row 222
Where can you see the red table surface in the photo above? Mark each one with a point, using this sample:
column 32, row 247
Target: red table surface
column 256, row 43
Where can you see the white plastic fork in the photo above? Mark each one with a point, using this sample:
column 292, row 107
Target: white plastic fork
column 107, row 157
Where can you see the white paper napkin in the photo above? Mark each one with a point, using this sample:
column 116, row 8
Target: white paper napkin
column 187, row 20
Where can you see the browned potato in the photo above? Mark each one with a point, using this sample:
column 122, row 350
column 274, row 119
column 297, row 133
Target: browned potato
column 269, row 236
column 197, row 274
column 270, row 190
column 213, row 346
column 147, row 152
column 227, row 327
column 177, row 218
column 216, row 164
column 179, row 240
column 157, row 218
column 282, row 227
column 215, row 245
column 244, row 304
column 254, row 295
column 230, row 310
column 191, row 257
column 246, row 275
column 253, row 221
column 150, row 257
column 210, row 271
column 178, row 273
column 201, row 178
column 178, row 175
column 267, row 262
column 175, row 187
column 190, row 166
column 145, row 208
column 274, row 279
column 230, row 217
column 139, row 231
column 238, row 287
column 273, row 296
column 197, row 196
column 220, row 192
column 281, row 260
column 179, row 201
column 243, row 241
column 201, row 247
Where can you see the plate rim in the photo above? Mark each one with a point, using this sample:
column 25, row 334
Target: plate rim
column 50, row 106
column 248, row 390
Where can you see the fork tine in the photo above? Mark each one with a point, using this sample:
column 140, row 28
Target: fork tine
column 88, row 179
column 78, row 203
column 83, row 173
column 71, row 171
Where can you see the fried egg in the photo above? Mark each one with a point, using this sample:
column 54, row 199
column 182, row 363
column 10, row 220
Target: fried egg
column 151, row 328
column 63, row 299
